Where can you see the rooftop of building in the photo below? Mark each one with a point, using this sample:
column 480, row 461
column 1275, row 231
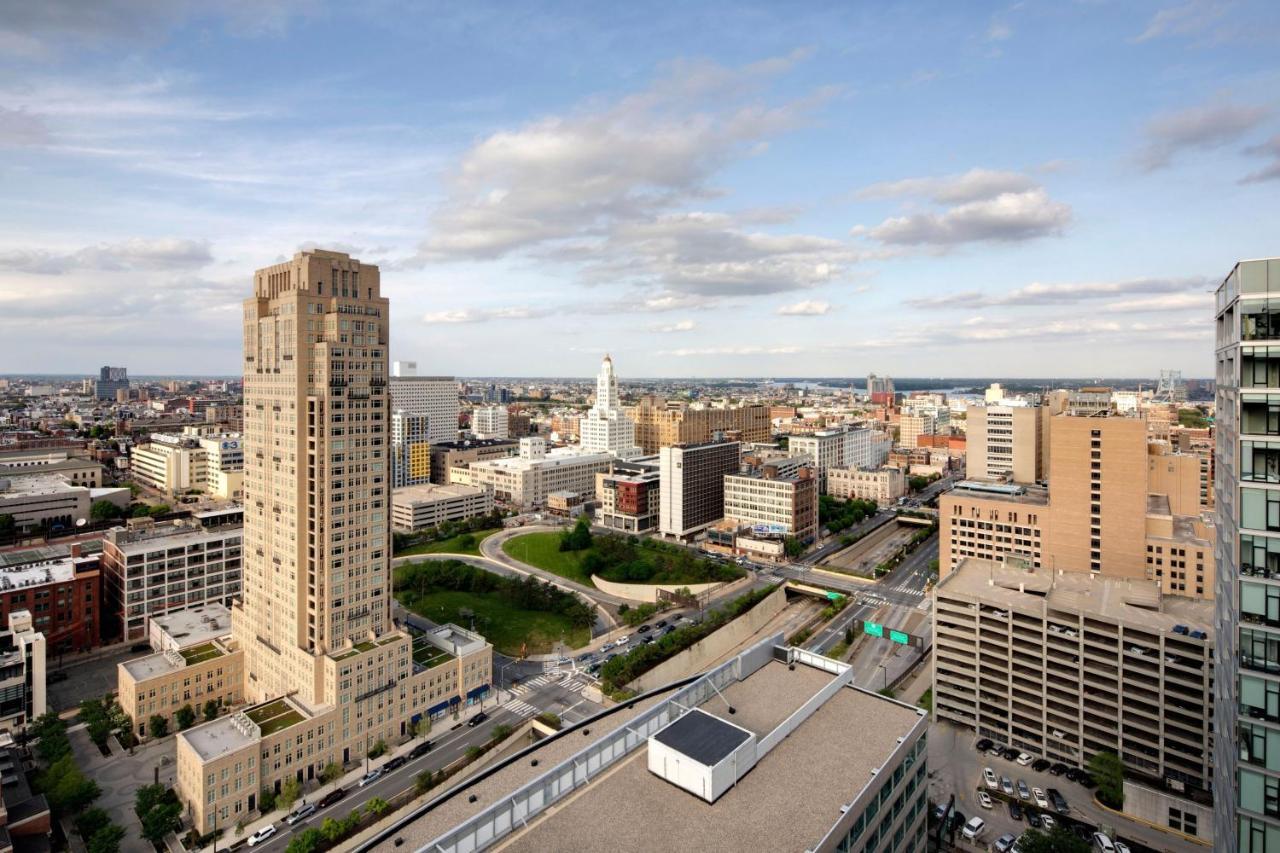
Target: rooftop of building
column 169, row 534
column 758, row 692
column 428, row 492
column 19, row 469
column 195, row 625
column 25, row 483
column 46, row 553
column 241, row 729
column 1002, row 491
column 1133, row 602
column 554, row 456
column 476, row 443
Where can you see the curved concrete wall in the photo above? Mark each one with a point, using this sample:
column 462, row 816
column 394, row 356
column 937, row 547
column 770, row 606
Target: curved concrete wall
column 646, row 592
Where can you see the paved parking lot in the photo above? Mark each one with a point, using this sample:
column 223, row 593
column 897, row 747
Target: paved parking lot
column 956, row 767
column 85, row 679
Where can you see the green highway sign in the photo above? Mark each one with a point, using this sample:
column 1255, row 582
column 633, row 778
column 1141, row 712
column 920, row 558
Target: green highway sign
column 899, row 637
column 875, row 629
column 834, row 596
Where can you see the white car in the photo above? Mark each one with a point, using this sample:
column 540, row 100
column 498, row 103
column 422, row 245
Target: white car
column 1041, row 800
column 974, row 827
column 262, row 835
column 1048, row 821
column 622, row 641
column 606, row 647
column 989, row 776
column 1024, row 759
column 1103, row 844
column 1121, row 847
column 984, row 800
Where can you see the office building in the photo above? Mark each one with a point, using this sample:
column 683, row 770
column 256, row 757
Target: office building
column 880, row 390
column 628, row 495
column 323, row 663
column 691, row 485
column 842, row 447
column 150, row 569
column 110, row 381
column 774, row 501
column 433, row 396
column 410, row 449
column 1247, row 557
column 606, row 428
column 38, row 501
column 526, row 480
column 198, row 458
column 420, row 507
column 76, row 471
column 715, row 763
column 660, row 423
column 882, row 485
column 22, row 672
column 1005, row 441
column 1069, row 664
column 455, row 454
column 489, row 422
column 62, row 594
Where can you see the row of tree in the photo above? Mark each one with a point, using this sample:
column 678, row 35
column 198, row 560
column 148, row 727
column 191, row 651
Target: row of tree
column 836, row 514
column 67, row 789
column 625, row 559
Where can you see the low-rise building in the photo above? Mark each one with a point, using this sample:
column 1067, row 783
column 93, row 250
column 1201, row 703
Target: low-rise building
column 180, row 676
column 882, row 485
column 1068, row 664
column 197, row 459
column 628, row 496
column 775, row 501
column 524, row 481
column 22, row 672
column 44, row 501
column 456, row 454
column 150, row 569
column 419, row 507
column 77, row 472
column 62, row 594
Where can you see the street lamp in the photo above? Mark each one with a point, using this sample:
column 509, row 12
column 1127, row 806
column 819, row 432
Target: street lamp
column 885, row 667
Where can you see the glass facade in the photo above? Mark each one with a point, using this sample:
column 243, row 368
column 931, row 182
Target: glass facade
column 1247, row 553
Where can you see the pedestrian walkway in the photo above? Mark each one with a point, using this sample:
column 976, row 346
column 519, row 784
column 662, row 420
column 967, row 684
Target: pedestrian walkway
column 521, row 708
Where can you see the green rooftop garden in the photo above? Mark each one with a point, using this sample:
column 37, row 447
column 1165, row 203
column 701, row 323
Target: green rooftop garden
column 429, row 656
column 274, row 716
column 359, row 647
column 200, row 653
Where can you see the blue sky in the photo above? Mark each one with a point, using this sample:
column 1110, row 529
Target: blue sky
column 702, row 189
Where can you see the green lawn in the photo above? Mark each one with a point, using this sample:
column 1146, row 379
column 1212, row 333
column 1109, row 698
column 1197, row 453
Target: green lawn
column 501, row 623
column 274, row 716
column 542, row 550
column 201, row 653
column 451, row 545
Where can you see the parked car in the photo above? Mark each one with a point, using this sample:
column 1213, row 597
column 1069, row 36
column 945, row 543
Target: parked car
column 262, row 835
column 1011, row 754
column 1103, row 844
column 1033, row 818
column 477, row 720
column 1024, row 760
column 1015, row 810
column 371, row 777
column 1087, row 780
column 301, row 813
column 1040, row 765
column 55, row 677
column 1006, row 785
column 420, row 750
column 1041, row 800
column 606, row 647
column 1059, row 802
column 646, row 641
column 983, row 745
column 1074, row 773
column 989, row 776
column 332, row 797
column 644, row 629
column 996, row 750
column 974, row 827
column 1005, row 843
column 1023, row 791
column 394, row 764
column 586, row 656
column 661, row 623
column 1121, row 847
column 1058, row 769
column 984, row 800
column 1049, row 821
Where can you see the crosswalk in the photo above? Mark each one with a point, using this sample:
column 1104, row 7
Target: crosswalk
column 521, row 708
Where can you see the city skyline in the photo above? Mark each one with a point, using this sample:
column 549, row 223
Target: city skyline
column 717, row 195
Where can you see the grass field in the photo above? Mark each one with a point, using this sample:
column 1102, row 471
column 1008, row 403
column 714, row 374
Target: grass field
column 501, row 623
column 450, row 546
column 542, row 550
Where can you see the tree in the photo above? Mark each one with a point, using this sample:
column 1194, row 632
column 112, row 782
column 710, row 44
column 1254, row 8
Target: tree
column 577, row 539
column 290, row 790
column 266, row 800
column 331, row 772
column 425, row 781
column 1057, row 840
column 157, row 726
column 848, row 635
column 106, row 840
column 793, row 547
column 7, row 523
column 186, row 717
column 102, row 510
column 1108, row 771
column 377, row 806
column 308, row 841
column 915, row 482
column 159, row 811
column 379, row 748
column 210, row 710
column 91, row 821
column 333, row 830
column 466, row 542
column 66, row 787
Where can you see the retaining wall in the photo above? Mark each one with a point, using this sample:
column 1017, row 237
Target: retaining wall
column 647, row 592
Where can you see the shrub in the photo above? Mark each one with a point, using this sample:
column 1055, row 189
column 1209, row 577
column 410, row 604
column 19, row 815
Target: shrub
column 307, row 841
column 379, row 749
column 210, row 710
column 158, row 809
column 186, row 717
column 549, row 719
column 266, row 800
column 1108, row 772
column 157, row 726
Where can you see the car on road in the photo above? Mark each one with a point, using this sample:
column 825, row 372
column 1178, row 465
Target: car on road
column 974, row 827
column 586, row 656
column 983, row 745
column 1023, row 791
column 1102, row 843
column 394, row 764
column 610, row 657
column 54, row 677
column 644, row 629
column 646, row 641
column 606, row 647
column 668, row 630
column 563, row 662
column 420, row 750
column 661, row 623
column 1024, row 760
column 371, row 777
column 1057, row 769
column 1006, row 785
column 622, row 641
column 1041, row 800
column 477, row 720
column 1059, row 802
column 301, row 813
column 989, row 776
column 262, row 835
column 1015, row 810
column 1040, row 765
column 332, row 797
column 984, row 800
column 1005, row 843
column 1048, row 821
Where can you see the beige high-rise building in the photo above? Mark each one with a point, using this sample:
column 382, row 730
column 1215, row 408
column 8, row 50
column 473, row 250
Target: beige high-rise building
column 662, row 424
column 1005, row 442
column 326, row 673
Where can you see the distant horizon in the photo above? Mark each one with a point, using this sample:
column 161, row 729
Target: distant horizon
column 964, row 380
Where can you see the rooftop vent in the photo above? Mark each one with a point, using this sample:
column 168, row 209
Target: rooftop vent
column 702, row 754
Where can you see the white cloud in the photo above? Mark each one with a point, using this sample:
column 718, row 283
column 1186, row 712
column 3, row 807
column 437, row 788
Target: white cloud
column 1198, row 128
column 1039, row 293
column 807, row 308
column 1167, row 302
column 1008, row 217
column 20, row 127
column 973, row 185
column 136, row 254
column 485, row 315
column 688, row 352
column 999, row 31
column 1194, row 18
column 1269, row 172
column 679, row 326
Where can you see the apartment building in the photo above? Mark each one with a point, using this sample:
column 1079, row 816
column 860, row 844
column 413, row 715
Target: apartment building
column 62, row 596
column 526, row 480
column 23, row 657
column 1247, row 557
column 420, row 507
column 842, row 447
column 150, row 569
column 660, row 423
column 489, row 422
column 882, row 485
column 436, row 397
column 628, row 496
column 1069, row 664
column 410, row 449
column 691, row 485
column 455, row 454
column 1005, row 442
